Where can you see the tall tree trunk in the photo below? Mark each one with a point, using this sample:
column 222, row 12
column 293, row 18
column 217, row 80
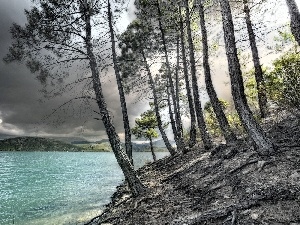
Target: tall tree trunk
column 216, row 105
column 130, row 174
column 177, row 113
column 260, row 82
column 128, row 145
column 158, row 117
column 263, row 145
column 152, row 150
column 171, row 115
column 177, row 88
column 199, row 112
column 171, row 83
column 193, row 131
column 295, row 19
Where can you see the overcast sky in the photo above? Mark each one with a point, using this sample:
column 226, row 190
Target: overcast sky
column 23, row 110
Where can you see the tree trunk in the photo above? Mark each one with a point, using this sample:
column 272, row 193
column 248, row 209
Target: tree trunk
column 171, row 83
column 193, row 132
column 128, row 145
column 216, row 105
column 158, row 117
column 260, row 82
column 177, row 89
column 199, row 112
column 295, row 19
column 263, row 145
column 130, row 174
column 171, row 115
column 152, row 150
column 177, row 113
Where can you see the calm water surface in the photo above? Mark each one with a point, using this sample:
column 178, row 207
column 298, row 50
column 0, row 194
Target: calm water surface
column 43, row 188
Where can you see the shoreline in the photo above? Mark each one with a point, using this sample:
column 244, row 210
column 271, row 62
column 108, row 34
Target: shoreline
column 78, row 218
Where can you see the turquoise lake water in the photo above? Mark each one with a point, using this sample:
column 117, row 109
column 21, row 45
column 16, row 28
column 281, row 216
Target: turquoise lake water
column 58, row 188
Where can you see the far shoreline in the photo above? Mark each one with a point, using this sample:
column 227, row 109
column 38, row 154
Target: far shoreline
column 49, row 144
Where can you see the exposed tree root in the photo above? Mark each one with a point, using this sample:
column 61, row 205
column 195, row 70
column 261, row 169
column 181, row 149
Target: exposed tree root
column 215, row 213
column 271, row 193
column 243, row 166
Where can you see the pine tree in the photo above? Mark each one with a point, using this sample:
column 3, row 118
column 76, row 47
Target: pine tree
column 145, row 128
column 199, row 112
column 60, row 33
column 263, row 145
column 193, row 131
column 295, row 19
column 259, row 78
column 137, row 42
column 216, row 104
column 127, row 130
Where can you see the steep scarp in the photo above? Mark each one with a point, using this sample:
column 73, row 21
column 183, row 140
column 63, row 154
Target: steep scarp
column 232, row 184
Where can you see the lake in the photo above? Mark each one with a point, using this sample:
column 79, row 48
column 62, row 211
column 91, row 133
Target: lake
column 57, row 188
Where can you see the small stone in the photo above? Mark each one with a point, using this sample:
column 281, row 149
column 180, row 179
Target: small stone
column 295, row 175
column 254, row 216
column 248, row 190
column 226, row 196
column 261, row 164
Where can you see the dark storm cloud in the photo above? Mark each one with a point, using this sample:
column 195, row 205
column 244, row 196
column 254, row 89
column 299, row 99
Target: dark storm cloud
column 16, row 83
column 24, row 111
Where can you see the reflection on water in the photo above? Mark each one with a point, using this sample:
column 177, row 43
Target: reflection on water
column 58, row 187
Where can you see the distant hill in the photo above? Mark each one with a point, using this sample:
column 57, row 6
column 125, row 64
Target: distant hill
column 36, row 144
column 161, row 144
column 104, row 146
column 145, row 147
column 81, row 142
column 71, row 140
column 158, row 143
column 12, row 143
column 102, row 141
column 6, row 136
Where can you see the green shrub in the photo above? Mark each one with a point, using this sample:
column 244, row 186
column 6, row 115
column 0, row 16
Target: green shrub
column 212, row 122
column 283, row 82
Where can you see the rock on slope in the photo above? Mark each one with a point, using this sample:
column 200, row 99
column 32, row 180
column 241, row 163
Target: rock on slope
column 230, row 185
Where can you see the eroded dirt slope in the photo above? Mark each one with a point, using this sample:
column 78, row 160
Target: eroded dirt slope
column 230, row 185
